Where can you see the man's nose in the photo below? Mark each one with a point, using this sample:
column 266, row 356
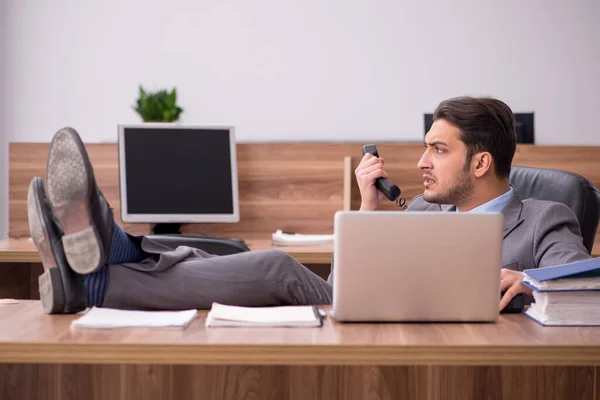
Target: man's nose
column 424, row 162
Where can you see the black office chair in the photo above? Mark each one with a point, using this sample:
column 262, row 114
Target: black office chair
column 212, row 245
column 569, row 188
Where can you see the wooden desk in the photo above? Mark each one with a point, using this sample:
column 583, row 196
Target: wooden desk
column 20, row 264
column 512, row 358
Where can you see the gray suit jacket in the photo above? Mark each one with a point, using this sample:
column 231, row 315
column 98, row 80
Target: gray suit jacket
column 537, row 233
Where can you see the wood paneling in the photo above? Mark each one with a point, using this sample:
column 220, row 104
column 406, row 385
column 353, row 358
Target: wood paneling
column 295, row 187
column 291, row 186
column 401, row 163
column 183, row 382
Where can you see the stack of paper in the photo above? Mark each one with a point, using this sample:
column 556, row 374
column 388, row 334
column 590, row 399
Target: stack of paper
column 566, row 294
column 111, row 318
column 281, row 238
column 291, row 316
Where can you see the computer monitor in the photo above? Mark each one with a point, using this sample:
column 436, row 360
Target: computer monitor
column 172, row 174
column 524, row 127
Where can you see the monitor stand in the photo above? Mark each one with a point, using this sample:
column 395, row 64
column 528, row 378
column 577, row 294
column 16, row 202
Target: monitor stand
column 166, row 229
column 211, row 244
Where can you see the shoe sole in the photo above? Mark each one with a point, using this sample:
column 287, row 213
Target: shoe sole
column 69, row 184
column 50, row 284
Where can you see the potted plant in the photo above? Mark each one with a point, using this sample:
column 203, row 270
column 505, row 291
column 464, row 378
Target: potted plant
column 159, row 106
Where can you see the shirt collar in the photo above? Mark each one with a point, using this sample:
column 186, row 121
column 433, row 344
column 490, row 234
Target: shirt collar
column 494, row 205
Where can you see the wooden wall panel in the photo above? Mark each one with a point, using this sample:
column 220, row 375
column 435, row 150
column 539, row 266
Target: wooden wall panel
column 291, row 186
column 401, row 164
column 295, row 186
column 149, row 382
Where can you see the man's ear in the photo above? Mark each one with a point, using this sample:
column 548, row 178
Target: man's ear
column 482, row 163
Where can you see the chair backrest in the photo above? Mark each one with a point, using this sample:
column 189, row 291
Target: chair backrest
column 212, row 245
column 569, row 188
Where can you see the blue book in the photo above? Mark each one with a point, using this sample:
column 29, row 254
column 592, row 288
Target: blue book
column 565, row 295
column 581, row 275
column 563, row 317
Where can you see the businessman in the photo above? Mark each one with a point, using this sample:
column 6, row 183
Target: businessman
column 466, row 164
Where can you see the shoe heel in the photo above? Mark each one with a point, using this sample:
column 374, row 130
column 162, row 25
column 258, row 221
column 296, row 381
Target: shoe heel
column 51, row 291
column 82, row 250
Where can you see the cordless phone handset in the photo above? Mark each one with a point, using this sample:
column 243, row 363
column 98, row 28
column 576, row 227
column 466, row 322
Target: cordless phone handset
column 391, row 191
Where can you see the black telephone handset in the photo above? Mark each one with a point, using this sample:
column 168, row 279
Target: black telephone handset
column 391, row 191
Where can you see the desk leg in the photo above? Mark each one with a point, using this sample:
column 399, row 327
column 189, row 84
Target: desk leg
column 322, row 270
column 182, row 382
column 14, row 280
column 19, row 280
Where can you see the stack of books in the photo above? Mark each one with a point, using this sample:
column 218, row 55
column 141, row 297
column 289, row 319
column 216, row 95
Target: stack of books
column 566, row 294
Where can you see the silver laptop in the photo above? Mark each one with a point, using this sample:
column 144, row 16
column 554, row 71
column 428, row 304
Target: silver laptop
column 416, row 266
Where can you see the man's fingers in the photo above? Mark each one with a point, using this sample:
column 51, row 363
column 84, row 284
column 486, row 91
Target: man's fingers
column 378, row 173
column 505, row 283
column 371, row 168
column 369, row 159
column 508, row 296
column 366, row 157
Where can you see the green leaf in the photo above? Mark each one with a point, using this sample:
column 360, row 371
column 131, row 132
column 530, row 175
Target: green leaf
column 172, row 98
column 158, row 106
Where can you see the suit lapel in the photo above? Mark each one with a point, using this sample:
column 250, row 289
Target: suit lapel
column 441, row 207
column 512, row 213
column 447, row 207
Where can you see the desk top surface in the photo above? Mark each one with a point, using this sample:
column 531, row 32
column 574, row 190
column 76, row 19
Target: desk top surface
column 28, row 335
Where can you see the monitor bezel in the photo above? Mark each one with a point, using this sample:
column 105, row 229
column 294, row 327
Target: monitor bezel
column 177, row 218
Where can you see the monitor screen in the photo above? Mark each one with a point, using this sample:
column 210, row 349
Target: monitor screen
column 171, row 173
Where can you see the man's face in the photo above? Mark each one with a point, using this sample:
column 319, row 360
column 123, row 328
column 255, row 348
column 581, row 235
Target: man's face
column 446, row 173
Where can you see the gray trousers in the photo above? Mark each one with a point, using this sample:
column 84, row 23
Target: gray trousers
column 188, row 278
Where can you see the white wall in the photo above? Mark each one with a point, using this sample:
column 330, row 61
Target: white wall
column 3, row 141
column 340, row 70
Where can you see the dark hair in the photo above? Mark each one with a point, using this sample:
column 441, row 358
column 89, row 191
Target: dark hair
column 486, row 124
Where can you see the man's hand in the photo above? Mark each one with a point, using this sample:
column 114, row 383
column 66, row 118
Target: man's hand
column 367, row 172
column 510, row 281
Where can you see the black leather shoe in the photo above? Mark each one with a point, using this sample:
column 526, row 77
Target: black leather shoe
column 77, row 203
column 61, row 289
